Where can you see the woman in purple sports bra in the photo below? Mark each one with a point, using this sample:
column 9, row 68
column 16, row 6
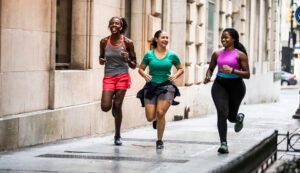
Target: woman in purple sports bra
column 228, row 89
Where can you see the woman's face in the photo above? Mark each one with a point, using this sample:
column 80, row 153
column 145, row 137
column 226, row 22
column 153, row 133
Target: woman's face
column 227, row 40
column 163, row 40
column 115, row 26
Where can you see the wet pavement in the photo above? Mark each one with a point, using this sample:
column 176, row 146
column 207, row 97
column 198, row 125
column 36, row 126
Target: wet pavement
column 190, row 145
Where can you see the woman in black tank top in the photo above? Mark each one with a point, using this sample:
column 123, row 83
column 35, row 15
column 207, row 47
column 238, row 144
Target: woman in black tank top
column 117, row 54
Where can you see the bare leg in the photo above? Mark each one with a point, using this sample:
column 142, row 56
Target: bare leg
column 106, row 100
column 117, row 102
column 161, row 110
column 150, row 110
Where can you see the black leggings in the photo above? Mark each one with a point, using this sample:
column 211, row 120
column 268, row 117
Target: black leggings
column 227, row 94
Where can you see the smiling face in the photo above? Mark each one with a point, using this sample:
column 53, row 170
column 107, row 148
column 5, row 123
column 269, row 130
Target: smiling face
column 115, row 26
column 162, row 40
column 227, row 40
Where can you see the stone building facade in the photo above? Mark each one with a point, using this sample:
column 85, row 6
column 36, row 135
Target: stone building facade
column 51, row 80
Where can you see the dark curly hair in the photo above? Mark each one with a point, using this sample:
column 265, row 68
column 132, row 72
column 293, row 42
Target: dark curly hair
column 123, row 23
column 235, row 35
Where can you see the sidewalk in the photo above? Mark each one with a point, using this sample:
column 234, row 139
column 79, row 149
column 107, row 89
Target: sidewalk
column 190, row 145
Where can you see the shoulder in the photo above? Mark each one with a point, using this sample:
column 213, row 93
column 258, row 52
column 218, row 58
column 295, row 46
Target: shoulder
column 104, row 40
column 149, row 53
column 128, row 41
column 241, row 54
column 173, row 54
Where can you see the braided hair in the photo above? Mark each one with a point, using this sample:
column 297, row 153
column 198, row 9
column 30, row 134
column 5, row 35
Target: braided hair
column 235, row 35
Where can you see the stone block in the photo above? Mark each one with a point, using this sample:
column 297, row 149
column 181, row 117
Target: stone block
column 191, row 34
column 24, row 50
column 178, row 15
column 28, row 15
column 77, row 121
column 36, row 95
column 9, row 131
column 154, row 24
column 79, row 52
column 13, row 93
column 189, row 75
column 156, row 7
column 40, row 127
column 79, row 17
column 20, row 93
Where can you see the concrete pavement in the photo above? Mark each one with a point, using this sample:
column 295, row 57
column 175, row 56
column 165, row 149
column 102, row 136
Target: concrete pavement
column 190, row 145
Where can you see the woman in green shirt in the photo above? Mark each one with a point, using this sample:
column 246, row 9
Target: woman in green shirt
column 159, row 80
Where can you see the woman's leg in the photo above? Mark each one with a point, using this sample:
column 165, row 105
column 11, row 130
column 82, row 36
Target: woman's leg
column 117, row 109
column 106, row 100
column 221, row 101
column 238, row 91
column 150, row 110
column 161, row 110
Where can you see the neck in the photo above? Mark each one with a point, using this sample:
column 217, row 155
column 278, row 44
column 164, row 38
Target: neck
column 161, row 49
column 229, row 48
column 115, row 36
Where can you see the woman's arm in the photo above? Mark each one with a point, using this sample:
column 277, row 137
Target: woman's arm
column 179, row 72
column 102, row 59
column 131, row 58
column 211, row 68
column 244, row 72
column 142, row 72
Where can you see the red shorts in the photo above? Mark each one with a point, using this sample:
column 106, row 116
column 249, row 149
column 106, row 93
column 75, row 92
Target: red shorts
column 117, row 82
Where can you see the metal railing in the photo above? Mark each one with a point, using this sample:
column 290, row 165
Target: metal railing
column 257, row 159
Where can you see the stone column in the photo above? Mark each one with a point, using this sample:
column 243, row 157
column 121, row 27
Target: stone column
column 178, row 32
column 252, row 33
column 80, row 34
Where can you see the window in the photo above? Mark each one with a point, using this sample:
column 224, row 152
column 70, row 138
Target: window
column 210, row 30
column 63, row 34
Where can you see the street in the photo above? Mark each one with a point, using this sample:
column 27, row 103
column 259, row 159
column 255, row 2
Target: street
column 190, row 145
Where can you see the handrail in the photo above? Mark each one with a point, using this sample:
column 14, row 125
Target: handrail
column 254, row 159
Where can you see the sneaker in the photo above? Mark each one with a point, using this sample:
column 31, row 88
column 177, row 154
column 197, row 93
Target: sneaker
column 118, row 140
column 159, row 144
column 239, row 122
column 154, row 124
column 223, row 149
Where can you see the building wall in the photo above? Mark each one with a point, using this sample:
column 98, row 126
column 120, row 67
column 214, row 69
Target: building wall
column 39, row 103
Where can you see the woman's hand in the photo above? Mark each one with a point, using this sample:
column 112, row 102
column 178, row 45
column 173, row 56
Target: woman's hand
column 102, row 60
column 227, row 69
column 147, row 77
column 125, row 56
column 207, row 78
column 172, row 77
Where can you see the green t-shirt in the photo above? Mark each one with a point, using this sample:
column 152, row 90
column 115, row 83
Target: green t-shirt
column 160, row 69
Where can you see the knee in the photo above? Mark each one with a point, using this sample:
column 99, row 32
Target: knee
column 160, row 114
column 117, row 105
column 105, row 108
column 149, row 119
column 232, row 119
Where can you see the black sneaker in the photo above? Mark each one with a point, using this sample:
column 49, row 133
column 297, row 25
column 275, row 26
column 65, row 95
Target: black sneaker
column 159, row 144
column 118, row 140
column 223, row 149
column 154, row 124
column 239, row 122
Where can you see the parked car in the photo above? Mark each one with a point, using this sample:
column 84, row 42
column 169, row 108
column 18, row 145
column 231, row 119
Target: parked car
column 288, row 78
